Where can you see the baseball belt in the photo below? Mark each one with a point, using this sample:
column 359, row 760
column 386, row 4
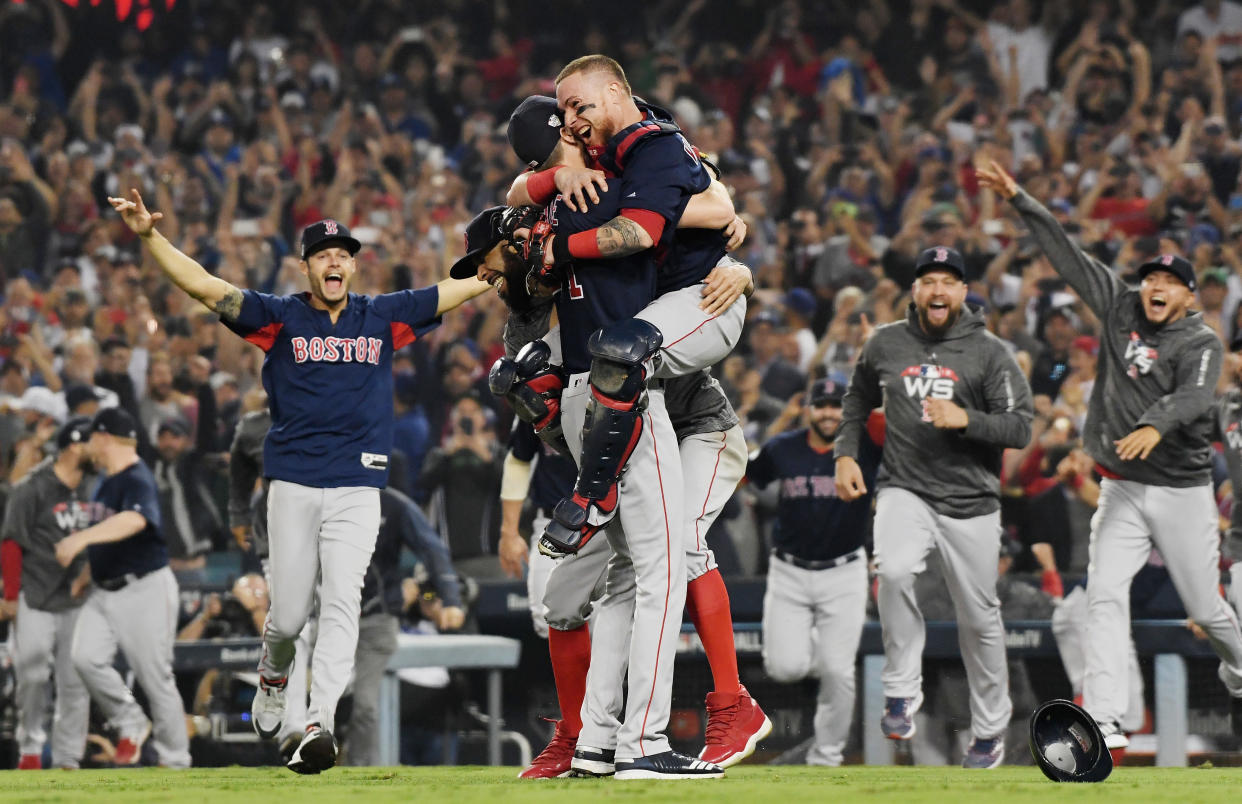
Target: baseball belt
column 120, row 582
column 821, row 564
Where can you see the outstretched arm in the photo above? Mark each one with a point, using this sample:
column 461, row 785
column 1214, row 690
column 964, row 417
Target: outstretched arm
column 456, row 292
column 217, row 295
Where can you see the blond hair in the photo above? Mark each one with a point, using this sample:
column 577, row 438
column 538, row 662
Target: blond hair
column 596, row 62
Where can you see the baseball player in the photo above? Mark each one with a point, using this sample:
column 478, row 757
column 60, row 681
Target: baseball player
column 1229, row 433
column 953, row 400
column 1149, row 428
column 658, row 173
column 133, row 603
column 817, row 578
column 328, row 377
column 45, row 506
column 712, row 454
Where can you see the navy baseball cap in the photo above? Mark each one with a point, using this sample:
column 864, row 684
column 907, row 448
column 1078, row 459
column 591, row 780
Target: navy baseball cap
column 114, row 422
column 827, row 391
column 482, row 235
column 1172, row 263
column 940, row 258
column 75, row 431
column 535, row 129
column 77, row 394
column 325, row 233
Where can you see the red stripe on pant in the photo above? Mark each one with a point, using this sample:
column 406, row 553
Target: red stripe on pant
column 668, row 583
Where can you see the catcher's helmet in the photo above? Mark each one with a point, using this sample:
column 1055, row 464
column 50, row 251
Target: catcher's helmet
column 1067, row 744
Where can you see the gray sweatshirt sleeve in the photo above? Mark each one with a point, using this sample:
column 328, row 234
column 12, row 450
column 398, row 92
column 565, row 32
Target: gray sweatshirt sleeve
column 522, row 328
column 862, row 397
column 1007, row 420
column 1198, row 369
column 243, row 474
column 1091, row 279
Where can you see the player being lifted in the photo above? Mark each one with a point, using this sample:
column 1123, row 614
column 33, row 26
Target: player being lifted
column 328, row 375
column 1149, row 428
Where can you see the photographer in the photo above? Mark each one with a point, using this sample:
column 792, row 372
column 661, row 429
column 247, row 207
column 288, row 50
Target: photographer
column 463, row 476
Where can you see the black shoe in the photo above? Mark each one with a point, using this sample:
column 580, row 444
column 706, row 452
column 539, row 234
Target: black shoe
column 668, row 765
column 289, row 746
column 316, row 753
column 593, row 762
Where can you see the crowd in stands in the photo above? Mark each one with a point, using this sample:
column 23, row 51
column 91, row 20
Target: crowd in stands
column 847, row 133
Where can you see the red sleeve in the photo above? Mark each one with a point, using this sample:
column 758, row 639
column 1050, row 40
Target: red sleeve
column 877, row 427
column 584, row 246
column 11, row 568
column 541, row 186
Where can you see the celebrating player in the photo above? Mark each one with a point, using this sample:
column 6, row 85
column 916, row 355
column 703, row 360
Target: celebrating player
column 134, row 600
column 817, row 578
column 43, row 509
column 328, row 375
column 1149, row 428
column 953, row 398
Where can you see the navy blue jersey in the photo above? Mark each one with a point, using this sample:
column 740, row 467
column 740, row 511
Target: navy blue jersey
column 812, row 522
column 597, row 293
column 554, row 474
column 330, row 387
column 131, row 489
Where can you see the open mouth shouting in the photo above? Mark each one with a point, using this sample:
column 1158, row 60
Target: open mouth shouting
column 938, row 313
column 333, row 282
column 1157, row 305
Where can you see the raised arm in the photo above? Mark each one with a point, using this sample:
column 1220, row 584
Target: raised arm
column 1093, row 281
column 456, row 292
column 217, row 295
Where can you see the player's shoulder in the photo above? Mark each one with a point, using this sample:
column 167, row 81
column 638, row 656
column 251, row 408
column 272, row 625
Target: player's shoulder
column 35, row 478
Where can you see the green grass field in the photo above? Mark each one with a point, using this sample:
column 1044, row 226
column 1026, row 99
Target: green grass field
column 498, row 786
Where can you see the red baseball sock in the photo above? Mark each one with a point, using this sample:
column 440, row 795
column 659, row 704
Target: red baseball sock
column 571, row 657
column 707, row 600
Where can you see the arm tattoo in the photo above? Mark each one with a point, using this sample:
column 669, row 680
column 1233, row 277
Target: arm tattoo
column 229, row 308
column 620, row 237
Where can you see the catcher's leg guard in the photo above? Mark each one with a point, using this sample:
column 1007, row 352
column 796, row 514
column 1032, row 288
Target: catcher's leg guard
column 611, row 431
column 533, row 387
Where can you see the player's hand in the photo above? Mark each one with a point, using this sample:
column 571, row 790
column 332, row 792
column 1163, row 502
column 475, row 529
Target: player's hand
column 995, row 178
column 1050, row 583
column 1138, row 444
column 849, row 479
column 450, row 618
column 577, row 184
column 722, row 286
column 241, row 535
column 81, row 583
column 736, row 232
column 513, row 554
column 8, row 610
column 212, row 607
column 67, row 549
column 946, row 414
column 135, row 214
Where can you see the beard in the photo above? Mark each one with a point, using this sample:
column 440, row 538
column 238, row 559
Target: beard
column 828, row 432
column 514, row 292
column 937, row 330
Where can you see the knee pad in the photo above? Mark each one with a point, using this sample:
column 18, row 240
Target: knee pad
column 618, row 352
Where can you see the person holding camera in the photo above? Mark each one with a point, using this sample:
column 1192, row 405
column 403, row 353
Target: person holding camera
column 463, row 477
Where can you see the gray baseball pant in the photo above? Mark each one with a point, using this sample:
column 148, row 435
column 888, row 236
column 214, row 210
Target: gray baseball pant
column 40, row 639
column 538, row 569
column 646, row 539
column 1182, row 523
column 377, row 642
column 299, row 674
column 693, row 340
column 140, row 618
column 906, row 530
column 829, row 605
column 1069, row 629
column 325, row 535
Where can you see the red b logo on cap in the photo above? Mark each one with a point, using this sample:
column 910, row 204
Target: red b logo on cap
column 1167, row 259
column 942, row 254
column 329, row 227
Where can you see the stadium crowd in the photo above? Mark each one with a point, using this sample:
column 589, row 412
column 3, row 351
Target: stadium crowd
column 848, row 134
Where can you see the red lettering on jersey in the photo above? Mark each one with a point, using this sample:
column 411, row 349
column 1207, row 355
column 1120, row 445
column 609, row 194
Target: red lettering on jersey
column 374, row 345
column 316, row 349
column 329, row 349
column 360, row 350
column 575, row 290
column 347, row 350
column 299, row 350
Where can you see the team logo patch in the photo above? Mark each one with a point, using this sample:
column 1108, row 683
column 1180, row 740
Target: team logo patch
column 928, row 381
column 329, row 227
column 942, row 254
column 1140, row 356
column 1167, row 259
column 1233, row 437
column 554, row 121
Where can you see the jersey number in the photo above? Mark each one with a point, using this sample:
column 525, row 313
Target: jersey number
column 575, row 290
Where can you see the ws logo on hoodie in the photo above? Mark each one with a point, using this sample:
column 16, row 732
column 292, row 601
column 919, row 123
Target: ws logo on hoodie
column 927, row 381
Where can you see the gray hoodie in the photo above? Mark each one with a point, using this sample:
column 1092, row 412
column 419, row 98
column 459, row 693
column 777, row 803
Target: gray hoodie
column 1229, row 431
column 1162, row 376
column 957, row 472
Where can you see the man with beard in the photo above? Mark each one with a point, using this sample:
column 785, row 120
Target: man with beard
column 1150, row 426
column 817, row 578
column 954, row 399
column 45, row 507
column 328, row 375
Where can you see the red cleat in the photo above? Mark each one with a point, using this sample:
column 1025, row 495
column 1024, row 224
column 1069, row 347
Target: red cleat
column 733, row 730
column 129, row 747
column 553, row 761
column 30, row 762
